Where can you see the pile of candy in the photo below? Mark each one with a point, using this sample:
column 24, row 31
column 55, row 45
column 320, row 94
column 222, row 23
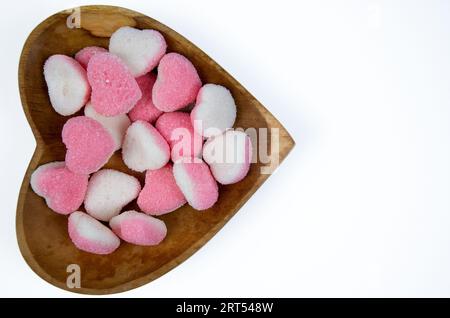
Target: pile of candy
column 129, row 106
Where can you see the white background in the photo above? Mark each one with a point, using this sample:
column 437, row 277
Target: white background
column 361, row 207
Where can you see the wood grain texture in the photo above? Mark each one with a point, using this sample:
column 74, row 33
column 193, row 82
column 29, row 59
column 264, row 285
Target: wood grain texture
column 42, row 234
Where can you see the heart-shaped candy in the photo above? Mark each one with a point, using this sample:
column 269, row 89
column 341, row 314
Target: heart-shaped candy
column 140, row 50
column 144, row 148
column 196, row 182
column 228, row 156
column 67, row 84
column 90, row 235
column 214, row 111
column 177, row 83
column 89, row 145
column 114, row 89
column 160, row 194
column 138, row 228
column 108, row 192
column 62, row 189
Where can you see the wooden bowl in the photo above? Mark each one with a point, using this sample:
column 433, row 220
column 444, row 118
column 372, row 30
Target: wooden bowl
column 42, row 233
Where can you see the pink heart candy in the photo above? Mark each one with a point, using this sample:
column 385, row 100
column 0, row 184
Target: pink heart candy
column 160, row 194
column 144, row 108
column 89, row 145
column 62, row 189
column 177, row 83
column 114, row 89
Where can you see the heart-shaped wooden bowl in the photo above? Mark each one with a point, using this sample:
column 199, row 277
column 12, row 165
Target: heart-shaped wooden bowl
column 42, row 234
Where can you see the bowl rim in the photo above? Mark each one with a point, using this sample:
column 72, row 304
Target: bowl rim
column 286, row 145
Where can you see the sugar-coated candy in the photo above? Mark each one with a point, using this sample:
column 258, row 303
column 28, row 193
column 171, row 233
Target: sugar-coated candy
column 138, row 228
column 140, row 50
column 177, row 83
column 90, row 235
column 160, row 194
column 228, row 156
column 108, row 192
column 114, row 89
column 67, row 83
column 144, row 148
column 214, row 111
column 196, row 182
column 62, row 189
column 89, row 145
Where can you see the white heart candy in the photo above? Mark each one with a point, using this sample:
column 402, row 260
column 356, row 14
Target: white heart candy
column 108, row 192
column 140, row 50
column 144, row 148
